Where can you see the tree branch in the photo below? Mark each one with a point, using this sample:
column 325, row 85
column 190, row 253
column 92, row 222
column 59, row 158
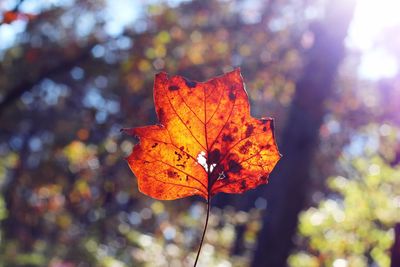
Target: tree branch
column 64, row 65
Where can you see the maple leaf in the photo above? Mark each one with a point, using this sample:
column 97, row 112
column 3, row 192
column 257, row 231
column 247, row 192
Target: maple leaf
column 11, row 16
column 207, row 142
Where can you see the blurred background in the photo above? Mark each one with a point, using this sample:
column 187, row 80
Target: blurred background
column 73, row 72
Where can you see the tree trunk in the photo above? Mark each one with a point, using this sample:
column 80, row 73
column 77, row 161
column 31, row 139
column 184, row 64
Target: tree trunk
column 287, row 191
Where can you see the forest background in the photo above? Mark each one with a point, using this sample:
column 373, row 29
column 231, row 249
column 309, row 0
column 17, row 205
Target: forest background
column 74, row 72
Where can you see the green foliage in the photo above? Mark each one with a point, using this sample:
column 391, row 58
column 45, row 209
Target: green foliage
column 354, row 225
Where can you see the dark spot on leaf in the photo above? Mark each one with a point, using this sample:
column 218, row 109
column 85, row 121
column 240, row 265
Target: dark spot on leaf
column 243, row 185
column 213, row 156
column 161, row 114
column 264, row 129
column 182, row 148
column 264, row 178
column 187, row 177
column 154, row 145
column 173, row 88
column 227, row 138
column 232, row 95
column 249, row 130
column 179, row 155
column 244, row 149
column 170, row 173
column 190, row 84
column 235, row 130
column 234, row 166
column 180, row 165
column 265, row 147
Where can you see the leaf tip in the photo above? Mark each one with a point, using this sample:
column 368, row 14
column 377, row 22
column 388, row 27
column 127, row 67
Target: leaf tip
column 161, row 75
column 235, row 71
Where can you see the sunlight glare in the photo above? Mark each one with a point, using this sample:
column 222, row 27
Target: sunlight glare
column 377, row 63
column 370, row 20
column 371, row 17
column 340, row 263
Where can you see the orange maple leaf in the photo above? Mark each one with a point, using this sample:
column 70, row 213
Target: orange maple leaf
column 207, row 141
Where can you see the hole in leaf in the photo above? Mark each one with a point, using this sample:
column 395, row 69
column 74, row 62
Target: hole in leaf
column 202, row 160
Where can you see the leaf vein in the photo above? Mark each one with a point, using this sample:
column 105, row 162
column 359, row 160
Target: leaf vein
column 175, row 184
column 183, row 99
column 172, row 166
column 184, row 124
column 230, row 114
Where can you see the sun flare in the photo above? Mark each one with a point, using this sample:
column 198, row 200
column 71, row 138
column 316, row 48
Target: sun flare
column 371, row 19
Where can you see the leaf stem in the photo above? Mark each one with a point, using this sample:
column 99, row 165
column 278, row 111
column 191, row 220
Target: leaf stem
column 204, row 231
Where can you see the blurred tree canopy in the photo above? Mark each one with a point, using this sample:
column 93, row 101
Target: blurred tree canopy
column 73, row 72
